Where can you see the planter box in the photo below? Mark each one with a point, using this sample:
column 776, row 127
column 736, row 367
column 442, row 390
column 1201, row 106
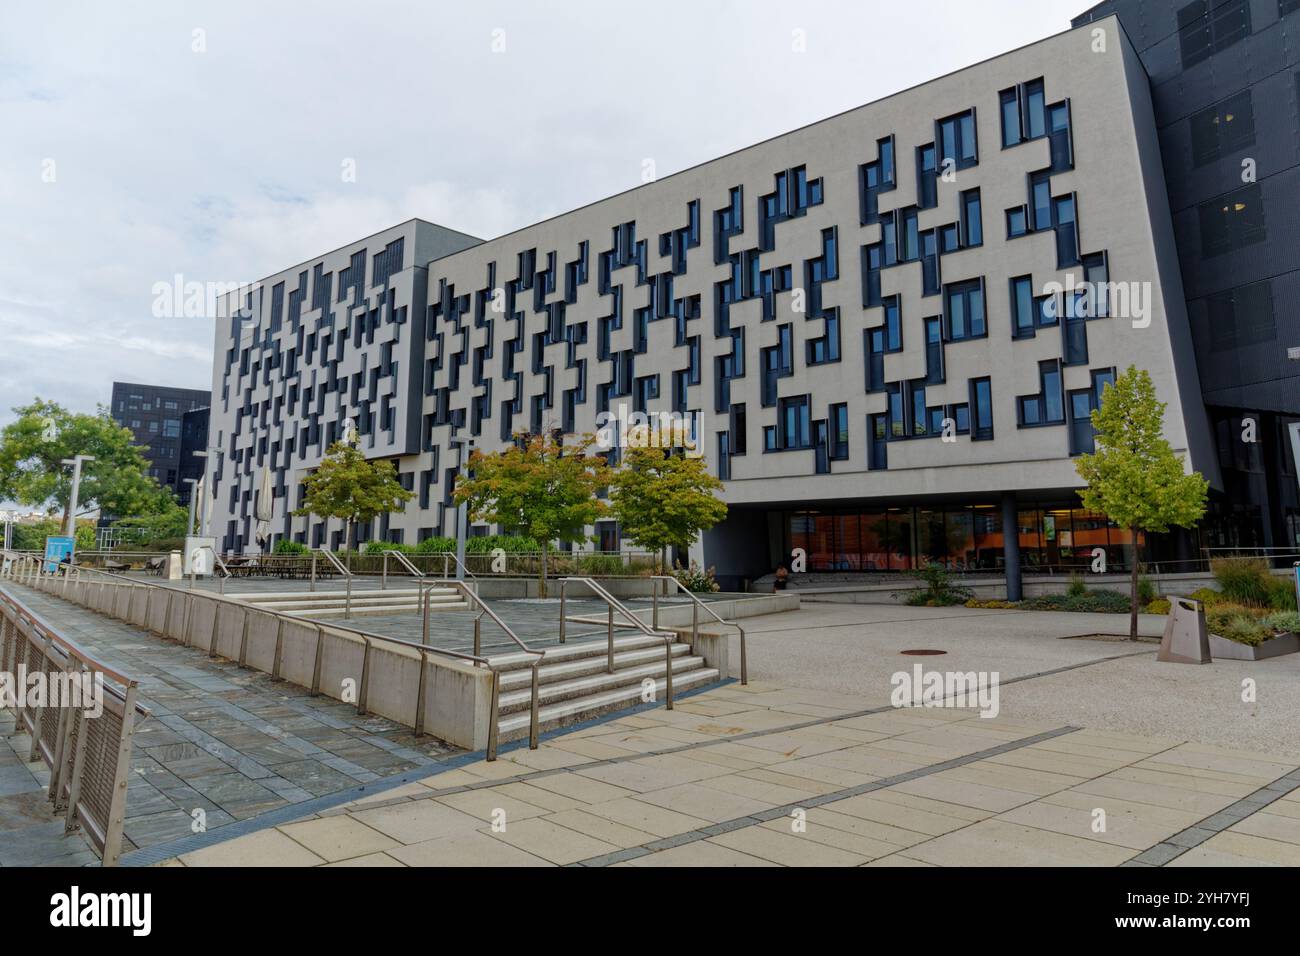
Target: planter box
column 1223, row 649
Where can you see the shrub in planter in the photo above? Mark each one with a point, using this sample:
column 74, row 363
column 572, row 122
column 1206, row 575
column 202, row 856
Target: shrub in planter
column 379, row 547
column 1105, row 602
column 436, row 545
column 1158, row 606
column 1283, row 622
column 1243, row 580
column 1077, row 586
column 1146, row 591
column 939, row 588
column 1281, row 593
column 1236, row 623
column 1207, row 596
column 285, row 546
column 696, row 579
column 600, row 564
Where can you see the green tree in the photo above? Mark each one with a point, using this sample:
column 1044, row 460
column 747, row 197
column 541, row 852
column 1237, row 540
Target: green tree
column 537, row 487
column 351, row 487
column 1134, row 477
column 663, row 500
column 34, row 446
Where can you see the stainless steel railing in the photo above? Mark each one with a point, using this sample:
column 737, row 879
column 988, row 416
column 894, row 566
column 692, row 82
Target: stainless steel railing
column 472, row 598
column 402, row 560
column 696, row 606
column 88, row 753
column 613, row 604
column 338, row 567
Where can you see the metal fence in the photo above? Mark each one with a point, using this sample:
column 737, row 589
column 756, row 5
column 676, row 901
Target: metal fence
column 85, row 742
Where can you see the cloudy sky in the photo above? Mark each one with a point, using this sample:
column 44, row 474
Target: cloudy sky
column 142, row 140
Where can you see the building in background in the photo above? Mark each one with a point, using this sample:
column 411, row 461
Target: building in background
column 1225, row 83
column 155, row 415
column 878, row 321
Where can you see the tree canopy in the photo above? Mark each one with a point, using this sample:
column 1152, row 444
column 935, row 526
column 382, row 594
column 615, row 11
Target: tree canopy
column 537, row 487
column 34, row 446
column 351, row 487
column 664, row 500
column 1134, row 477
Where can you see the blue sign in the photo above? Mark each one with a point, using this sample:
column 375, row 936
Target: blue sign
column 57, row 550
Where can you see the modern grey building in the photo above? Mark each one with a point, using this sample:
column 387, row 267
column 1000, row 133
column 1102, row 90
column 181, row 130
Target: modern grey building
column 891, row 327
column 1225, row 82
column 155, row 415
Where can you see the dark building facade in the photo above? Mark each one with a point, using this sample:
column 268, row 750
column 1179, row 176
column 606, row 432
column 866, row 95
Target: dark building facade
column 1225, row 84
column 156, row 415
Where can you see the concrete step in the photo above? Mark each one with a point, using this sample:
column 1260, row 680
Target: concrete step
column 577, row 650
column 273, row 597
column 550, row 673
column 373, row 610
column 577, row 709
column 435, row 600
column 516, row 700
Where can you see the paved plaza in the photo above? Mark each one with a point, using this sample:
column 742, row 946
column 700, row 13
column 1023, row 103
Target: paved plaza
column 230, row 742
column 764, row 775
column 1098, row 756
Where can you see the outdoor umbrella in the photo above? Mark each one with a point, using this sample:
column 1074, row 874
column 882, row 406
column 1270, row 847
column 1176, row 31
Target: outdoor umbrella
column 263, row 510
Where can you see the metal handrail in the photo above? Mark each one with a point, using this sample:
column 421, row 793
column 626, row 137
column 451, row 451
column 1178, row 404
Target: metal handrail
column 59, row 735
column 459, row 563
column 534, row 704
column 402, row 560
column 367, row 637
column 614, row 604
column 697, row 604
column 347, row 579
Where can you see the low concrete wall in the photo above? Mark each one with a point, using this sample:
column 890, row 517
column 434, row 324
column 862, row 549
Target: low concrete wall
column 514, row 588
column 995, row 589
column 713, row 645
column 457, row 694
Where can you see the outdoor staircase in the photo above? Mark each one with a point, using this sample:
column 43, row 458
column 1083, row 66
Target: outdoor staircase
column 574, row 683
column 321, row 604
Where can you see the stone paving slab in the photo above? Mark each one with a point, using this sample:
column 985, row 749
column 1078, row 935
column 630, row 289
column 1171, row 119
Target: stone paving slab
column 969, row 792
column 228, row 741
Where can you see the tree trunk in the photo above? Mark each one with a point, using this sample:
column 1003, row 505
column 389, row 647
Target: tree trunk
column 1133, row 583
column 541, row 574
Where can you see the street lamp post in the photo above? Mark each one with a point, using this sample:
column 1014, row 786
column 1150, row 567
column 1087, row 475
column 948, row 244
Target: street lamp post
column 193, row 483
column 462, row 509
column 70, row 519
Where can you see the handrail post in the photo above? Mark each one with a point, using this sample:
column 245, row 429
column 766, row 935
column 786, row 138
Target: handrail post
column 562, row 615
column 424, row 632
column 478, row 630
column 347, row 607
column 383, row 576
column 610, row 629
column 744, row 667
column 313, row 571
column 654, row 595
column 494, row 716
column 533, row 709
column 668, row 673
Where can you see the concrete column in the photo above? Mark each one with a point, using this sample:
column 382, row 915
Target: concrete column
column 1011, row 545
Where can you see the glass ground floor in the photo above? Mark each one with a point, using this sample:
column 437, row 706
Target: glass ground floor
column 1052, row 538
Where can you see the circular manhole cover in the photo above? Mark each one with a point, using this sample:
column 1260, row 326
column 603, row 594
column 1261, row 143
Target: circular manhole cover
column 922, row 652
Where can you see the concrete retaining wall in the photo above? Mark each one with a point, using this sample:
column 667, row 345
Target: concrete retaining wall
column 457, row 694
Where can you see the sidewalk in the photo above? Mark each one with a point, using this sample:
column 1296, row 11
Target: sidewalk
column 764, row 775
